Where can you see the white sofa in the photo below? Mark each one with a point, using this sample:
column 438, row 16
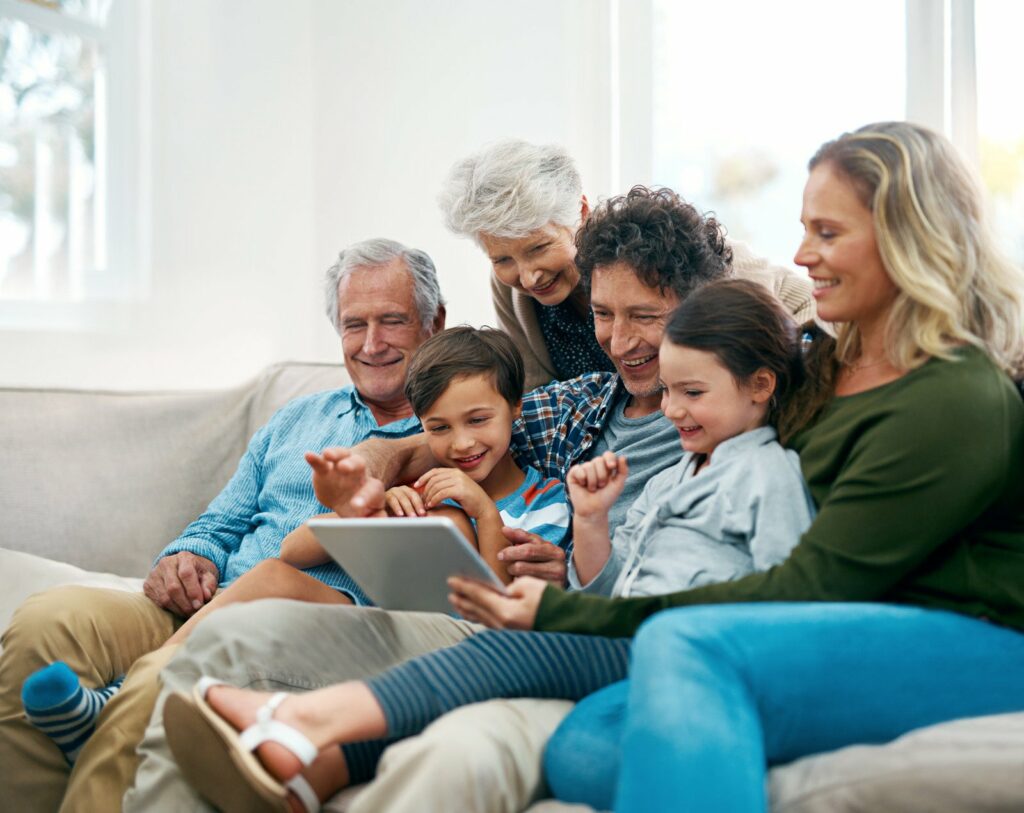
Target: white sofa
column 94, row 484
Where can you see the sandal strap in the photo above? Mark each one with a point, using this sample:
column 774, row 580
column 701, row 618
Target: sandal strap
column 205, row 683
column 267, row 729
column 300, row 786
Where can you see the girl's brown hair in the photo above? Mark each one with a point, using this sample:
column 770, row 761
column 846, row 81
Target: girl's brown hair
column 747, row 329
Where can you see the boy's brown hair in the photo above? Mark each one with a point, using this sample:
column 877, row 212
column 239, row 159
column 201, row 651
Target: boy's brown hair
column 460, row 352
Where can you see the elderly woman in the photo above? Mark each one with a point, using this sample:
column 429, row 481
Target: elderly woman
column 523, row 203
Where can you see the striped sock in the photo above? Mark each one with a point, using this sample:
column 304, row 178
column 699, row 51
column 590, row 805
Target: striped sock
column 58, row 705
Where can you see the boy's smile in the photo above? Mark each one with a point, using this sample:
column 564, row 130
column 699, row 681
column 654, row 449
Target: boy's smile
column 469, row 463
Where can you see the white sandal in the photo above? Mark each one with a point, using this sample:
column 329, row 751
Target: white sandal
column 220, row 762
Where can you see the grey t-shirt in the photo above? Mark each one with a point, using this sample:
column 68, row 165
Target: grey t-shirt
column 650, row 444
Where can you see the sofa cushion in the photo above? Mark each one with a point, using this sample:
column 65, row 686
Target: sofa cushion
column 105, row 480
column 280, row 383
column 22, row 574
column 972, row 765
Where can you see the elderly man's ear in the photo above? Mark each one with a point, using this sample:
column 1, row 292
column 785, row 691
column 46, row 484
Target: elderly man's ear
column 584, row 208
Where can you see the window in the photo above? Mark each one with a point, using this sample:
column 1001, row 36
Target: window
column 62, row 197
column 1001, row 116
column 742, row 93
column 745, row 92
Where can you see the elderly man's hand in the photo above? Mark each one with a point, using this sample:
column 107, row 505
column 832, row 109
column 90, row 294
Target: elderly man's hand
column 182, row 583
column 515, row 609
column 341, row 483
column 531, row 555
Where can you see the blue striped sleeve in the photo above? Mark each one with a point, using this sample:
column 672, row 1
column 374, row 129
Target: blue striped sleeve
column 539, row 507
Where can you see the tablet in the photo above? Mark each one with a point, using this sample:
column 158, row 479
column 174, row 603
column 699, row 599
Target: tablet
column 403, row 563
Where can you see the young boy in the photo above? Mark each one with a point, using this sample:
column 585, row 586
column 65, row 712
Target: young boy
column 464, row 385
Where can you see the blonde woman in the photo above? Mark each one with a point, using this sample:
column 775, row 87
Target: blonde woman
column 903, row 604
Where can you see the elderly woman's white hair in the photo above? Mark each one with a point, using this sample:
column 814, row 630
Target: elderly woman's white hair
column 510, row 189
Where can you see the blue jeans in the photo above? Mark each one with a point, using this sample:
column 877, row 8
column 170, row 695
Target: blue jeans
column 718, row 693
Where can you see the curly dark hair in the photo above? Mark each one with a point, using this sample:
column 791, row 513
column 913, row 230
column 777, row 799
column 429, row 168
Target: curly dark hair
column 663, row 238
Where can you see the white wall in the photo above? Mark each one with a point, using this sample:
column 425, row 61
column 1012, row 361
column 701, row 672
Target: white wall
column 282, row 131
column 405, row 88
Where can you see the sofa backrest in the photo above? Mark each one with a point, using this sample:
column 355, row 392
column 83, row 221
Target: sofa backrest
column 104, row 480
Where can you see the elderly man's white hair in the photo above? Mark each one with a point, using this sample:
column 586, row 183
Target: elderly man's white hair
column 379, row 252
column 510, row 189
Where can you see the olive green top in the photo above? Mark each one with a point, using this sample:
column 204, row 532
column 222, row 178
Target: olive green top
column 920, row 491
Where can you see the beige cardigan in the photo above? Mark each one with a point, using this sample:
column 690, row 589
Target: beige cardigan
column 517, row 317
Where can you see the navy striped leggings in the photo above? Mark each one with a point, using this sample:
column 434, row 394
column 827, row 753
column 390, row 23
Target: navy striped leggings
column 490, row 665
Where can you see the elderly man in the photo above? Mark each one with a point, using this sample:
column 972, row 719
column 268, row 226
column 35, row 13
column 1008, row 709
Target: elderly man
column 488, row 756
column 384, row 301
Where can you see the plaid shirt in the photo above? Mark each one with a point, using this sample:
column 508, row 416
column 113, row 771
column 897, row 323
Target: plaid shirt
column 561, row 421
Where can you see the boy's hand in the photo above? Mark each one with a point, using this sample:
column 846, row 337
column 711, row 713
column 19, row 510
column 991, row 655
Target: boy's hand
column 594, row 486
column 341, row 483
column 515, row 610
column 440, row 484
column 404, row 501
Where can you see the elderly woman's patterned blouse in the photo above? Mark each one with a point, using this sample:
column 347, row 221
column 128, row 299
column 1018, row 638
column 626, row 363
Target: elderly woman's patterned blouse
column 569, row 336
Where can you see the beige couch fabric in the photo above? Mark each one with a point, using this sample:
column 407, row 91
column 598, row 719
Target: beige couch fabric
column 974, row 765
column 105, row 480
column 22, row 574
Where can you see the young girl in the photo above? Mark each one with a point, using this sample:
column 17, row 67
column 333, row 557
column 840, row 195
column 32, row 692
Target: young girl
column 734, row 504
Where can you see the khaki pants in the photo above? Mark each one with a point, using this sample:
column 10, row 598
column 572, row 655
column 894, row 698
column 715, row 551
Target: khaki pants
column 279, row 644
column 483, row 758
column 100, row 634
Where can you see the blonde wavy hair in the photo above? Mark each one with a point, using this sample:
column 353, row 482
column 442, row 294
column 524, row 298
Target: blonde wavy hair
column 955, row 286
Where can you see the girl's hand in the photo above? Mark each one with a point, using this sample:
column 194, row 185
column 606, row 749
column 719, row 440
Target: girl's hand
column 516, row 609
column 404, row 501
column 594, row 486
column 439, row 484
